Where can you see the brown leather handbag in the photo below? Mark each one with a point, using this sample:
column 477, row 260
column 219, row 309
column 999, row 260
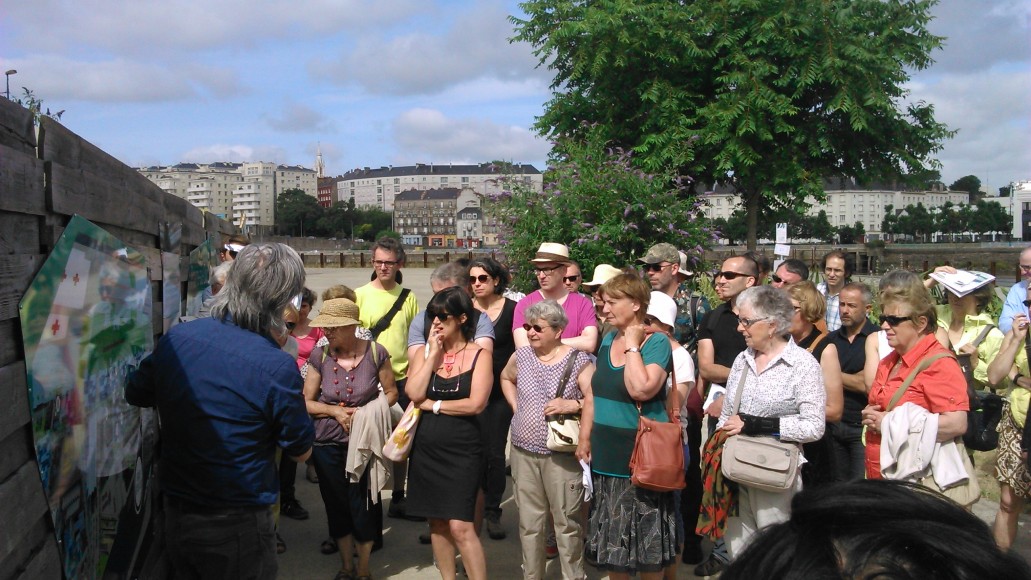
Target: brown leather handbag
column 657, row 462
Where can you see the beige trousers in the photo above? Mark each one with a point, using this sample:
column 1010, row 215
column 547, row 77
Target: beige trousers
column 757, row 509
column 549, row 483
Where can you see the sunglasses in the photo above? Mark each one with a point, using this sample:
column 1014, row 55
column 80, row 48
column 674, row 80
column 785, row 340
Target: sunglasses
column 441, row 316
column 570, row 278
column 1027, row 303
column 650, row 320
column 482, row 279
column 748, row 322
column 777, row 279
column 730, row 275
column 654, row 267
column 893, row 321
column 545, row 271
column 536, row 327
column 291, row 325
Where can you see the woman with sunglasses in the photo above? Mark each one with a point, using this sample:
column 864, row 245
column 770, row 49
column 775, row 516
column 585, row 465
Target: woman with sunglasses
column 631, row 530
column 809, row 308
column 450, row 384
column 547, row 482
column 489, row 279
column 776, row 388
column 909, row 321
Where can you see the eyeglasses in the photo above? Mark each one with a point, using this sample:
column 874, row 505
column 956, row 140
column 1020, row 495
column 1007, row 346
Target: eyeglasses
column 384, row 263
column 776, row 279
column 1024, row 268
column 893, row 321
column 441, row 316
column 545, row 271
column 536, row 327
column 570, row 278
column 748, row 322
column 482, row 279
column 654, row 267
column 730, row 275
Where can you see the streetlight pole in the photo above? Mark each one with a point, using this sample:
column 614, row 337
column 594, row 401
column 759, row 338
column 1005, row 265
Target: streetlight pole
column 7, row 75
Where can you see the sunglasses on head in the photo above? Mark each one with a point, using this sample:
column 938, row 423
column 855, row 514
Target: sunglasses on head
column 653, row 267
column 482, row 279
column 536, row 327
column 893, row 321
column 571, row 278
column 441, row 316
column 727, row 275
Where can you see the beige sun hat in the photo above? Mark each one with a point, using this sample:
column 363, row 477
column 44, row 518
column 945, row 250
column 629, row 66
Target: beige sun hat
column 551, row 252
column 336, row 312
column 602, row 274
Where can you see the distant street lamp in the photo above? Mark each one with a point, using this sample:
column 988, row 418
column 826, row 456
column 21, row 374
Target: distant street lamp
column 7, row 75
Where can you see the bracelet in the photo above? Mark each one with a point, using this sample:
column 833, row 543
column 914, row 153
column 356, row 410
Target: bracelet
column 632, row 349
column 436, row 407
column 579, row 405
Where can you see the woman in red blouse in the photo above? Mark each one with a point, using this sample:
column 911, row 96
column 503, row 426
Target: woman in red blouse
column 909, row 321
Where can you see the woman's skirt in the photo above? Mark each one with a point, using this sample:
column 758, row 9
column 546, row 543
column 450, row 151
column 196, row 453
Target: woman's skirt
column 631, row 529
column 1010, row 467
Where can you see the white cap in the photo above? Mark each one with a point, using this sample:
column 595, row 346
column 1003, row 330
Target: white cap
column 663, row 308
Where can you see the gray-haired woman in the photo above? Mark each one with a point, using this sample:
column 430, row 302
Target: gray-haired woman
column 544, row 481
column 783, row 396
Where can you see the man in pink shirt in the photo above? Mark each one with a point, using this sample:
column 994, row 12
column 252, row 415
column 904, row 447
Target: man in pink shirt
column 550, row 267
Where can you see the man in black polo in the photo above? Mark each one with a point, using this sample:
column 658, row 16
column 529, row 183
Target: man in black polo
column 854, row 304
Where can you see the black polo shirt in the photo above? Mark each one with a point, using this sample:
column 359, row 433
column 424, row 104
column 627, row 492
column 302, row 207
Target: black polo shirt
column 720, row 326
column 852, row 356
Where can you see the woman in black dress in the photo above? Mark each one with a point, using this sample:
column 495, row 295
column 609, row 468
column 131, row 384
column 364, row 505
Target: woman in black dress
column 488, row 280
column 451, row 386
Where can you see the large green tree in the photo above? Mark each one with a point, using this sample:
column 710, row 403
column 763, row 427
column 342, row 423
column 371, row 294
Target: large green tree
column 970, row 184
column 297, row 213
column 768, row 96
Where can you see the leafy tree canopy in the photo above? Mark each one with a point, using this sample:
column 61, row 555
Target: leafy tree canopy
column 767, row 96
column 970, row 184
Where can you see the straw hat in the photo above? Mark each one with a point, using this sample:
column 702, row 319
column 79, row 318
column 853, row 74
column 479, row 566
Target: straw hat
column 551, row 252
column 336, row 312
column 602, row 274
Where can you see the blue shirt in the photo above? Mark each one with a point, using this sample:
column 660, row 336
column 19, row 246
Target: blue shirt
column 1013, row 306
column 227, row 398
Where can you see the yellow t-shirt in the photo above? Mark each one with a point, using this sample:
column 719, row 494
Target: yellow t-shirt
column 373, row 303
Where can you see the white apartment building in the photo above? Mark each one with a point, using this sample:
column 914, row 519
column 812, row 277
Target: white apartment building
column 847, row 204
column 1020, row 209
column 376, row 188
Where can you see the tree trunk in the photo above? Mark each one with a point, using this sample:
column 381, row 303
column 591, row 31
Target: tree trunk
column 752, row 217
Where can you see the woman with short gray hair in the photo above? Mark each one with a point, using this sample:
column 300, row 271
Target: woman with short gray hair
column 781, row 395
column 546, row 481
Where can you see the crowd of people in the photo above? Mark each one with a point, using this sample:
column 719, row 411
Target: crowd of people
column 798, row 388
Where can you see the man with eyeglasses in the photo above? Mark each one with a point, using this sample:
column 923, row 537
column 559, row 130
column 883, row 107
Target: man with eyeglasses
column 387, row 310
column 788, row 272
column 837, row 271
column 1014, row 304
column 855, row 302
column 549, row 265
column 665, row 268
column 719, row 343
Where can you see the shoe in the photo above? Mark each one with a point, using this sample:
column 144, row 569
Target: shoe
column 293, row 510
column 710, row 567
column 692, row 553
column 424, row 538
column 280, row 544
column 550, row 551
column 494, row 529
column 311, row 475
column 344, row 575
column 328, row 547
column 397, row 508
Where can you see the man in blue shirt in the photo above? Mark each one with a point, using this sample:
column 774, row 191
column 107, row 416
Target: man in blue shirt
column 1018, row 293
column 228, row 397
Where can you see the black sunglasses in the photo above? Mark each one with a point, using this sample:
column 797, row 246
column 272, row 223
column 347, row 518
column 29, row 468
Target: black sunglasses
column 536, row 327
column 570, row 278
column 482, row 279
column 650, row 320
column 893, row 321
column 291, row 325
column 776, row 278
column 653, row 267
column 727, row 275
column 441, row 316
column 1027, row 303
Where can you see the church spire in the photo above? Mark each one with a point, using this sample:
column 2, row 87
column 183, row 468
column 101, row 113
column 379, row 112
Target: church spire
column 320, row 166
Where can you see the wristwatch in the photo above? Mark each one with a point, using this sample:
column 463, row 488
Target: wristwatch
column 436, row 407
column 632, row 349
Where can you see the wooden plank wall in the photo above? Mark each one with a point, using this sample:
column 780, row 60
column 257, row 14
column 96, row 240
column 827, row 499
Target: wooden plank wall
column 43, row 182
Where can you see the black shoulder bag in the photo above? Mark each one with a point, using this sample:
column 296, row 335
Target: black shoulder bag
column 985, row 408
column 383, row 323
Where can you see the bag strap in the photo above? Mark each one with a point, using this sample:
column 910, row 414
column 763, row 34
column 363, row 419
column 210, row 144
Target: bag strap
column 566, row 373
column 816, row 342
column 740, row 387
column 983, row 335
column 384, row 322
column 673, row 374
column 924, row 364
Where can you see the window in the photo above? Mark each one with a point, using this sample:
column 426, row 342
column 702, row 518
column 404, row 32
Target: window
column 397, row 180
column 443, row 179
column 465, row 180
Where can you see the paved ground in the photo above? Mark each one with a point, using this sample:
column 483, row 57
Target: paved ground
column 402, row 556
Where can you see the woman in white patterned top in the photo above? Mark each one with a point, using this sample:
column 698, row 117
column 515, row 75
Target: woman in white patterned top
column 783, row 396
column 546, row 482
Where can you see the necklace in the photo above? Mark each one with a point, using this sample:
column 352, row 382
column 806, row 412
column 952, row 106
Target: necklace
column 450, row 358
column 554, row 354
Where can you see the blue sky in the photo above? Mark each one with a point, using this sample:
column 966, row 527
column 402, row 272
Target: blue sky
column 404, row 81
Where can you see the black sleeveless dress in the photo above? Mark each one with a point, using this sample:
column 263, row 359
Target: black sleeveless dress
column 446, row 463
column 819, row 469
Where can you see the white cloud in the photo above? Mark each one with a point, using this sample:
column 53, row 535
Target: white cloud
column 427, row 134
column 234, row 153
column 299, row 118
column 980, row 34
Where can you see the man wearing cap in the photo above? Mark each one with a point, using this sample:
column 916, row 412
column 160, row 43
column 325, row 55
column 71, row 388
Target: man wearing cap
column 550, row 267
column 666, row 268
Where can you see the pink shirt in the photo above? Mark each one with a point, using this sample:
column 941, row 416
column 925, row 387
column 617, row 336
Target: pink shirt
column 579, row 309
column 305, row 344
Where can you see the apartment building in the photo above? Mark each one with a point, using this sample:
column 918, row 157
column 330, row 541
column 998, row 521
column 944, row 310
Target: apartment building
column 378, row 188
column 447, row 217
column 1019, row 204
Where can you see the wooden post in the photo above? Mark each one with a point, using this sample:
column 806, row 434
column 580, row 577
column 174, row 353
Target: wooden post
column 991, row 267
column 425, row 259
column 362, row 256
column 925, row 268
column 341, row 259
column 322, row 260
column 447, row 257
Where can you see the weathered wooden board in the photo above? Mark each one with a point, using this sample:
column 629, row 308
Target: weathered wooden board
column 19, row 233
column 101, row 198
column 16, row 129
column 21, row 500
column 16, row 273
column 21, row 181
column 10, row 341
column 14, row 398
column 25, row 560
column 15, row 450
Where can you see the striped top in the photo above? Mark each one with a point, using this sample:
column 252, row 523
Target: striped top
column 615, row 413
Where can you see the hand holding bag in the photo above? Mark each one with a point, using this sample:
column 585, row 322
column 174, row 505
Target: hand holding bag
column 399, row 444
column 759, row 461
column 564, row 430
column 657, row 462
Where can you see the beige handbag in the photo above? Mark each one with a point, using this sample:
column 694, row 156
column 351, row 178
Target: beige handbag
column 564, row 430
column 762, row 462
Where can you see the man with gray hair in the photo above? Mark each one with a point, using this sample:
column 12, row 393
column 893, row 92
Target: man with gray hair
column 220, row 429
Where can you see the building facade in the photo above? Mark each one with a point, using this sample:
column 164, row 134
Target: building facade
column 1020, row 208
column 448, row 217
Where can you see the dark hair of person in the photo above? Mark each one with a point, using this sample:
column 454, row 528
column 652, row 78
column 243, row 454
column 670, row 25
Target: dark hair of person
column 796, row 267
column 762, row 263
column 308, row 296
column 339, row 291
column 456, row 302
column 876, row 529
column 392, row 245
column 850, row 266
column 239, row 239
column 863, row 289
column 495, row 270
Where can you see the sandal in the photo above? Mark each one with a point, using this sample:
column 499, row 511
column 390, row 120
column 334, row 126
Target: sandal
column 329, row 547
column 344, row 575
column 280, row 544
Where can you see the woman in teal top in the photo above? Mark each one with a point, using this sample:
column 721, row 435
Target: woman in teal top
column 631, row 530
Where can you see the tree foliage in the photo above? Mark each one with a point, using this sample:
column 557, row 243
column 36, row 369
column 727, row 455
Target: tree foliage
column 30, row 101
column 599, row 204
column 768, row 96
column 948, row 220
column 970, row 184
column 299, row 214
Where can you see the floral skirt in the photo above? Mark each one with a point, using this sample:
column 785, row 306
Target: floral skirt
column 1010, row 467
column 631, row 529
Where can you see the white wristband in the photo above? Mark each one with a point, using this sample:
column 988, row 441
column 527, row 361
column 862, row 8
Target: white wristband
column 436, row 407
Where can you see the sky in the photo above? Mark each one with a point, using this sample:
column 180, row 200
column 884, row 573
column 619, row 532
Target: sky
column 400, row 82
